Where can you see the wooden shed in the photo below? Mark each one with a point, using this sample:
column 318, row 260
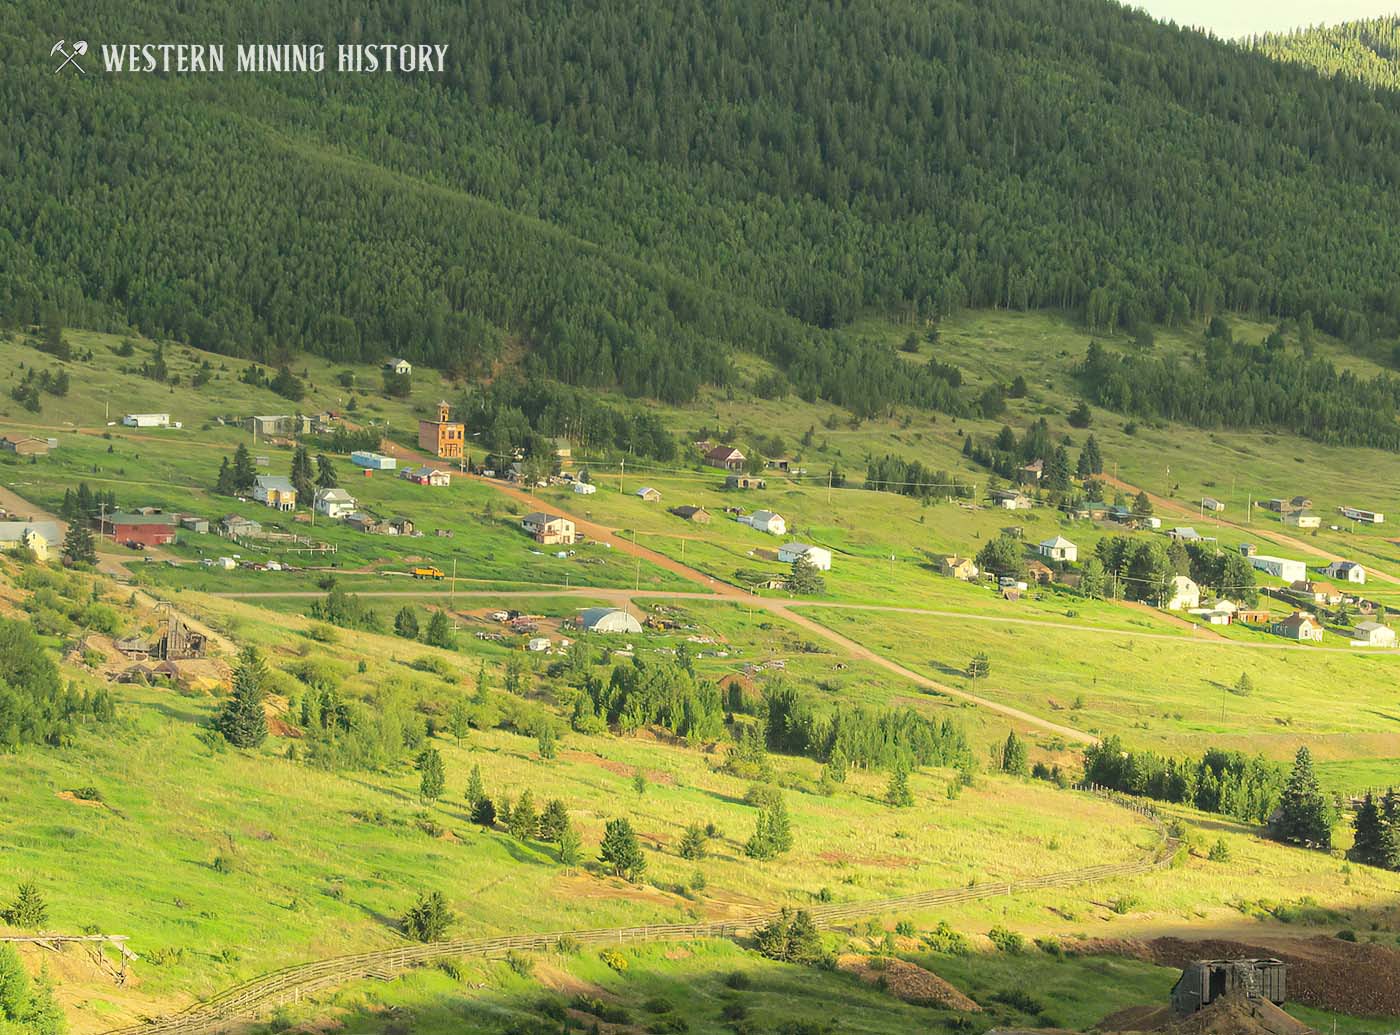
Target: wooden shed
column 1204, row 981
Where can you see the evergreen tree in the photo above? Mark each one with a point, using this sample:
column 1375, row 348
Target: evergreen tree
column 29, row 911
column 1013, row 756
column 26, row 1008
column 476, row 791
column 524, row 820
column 790, row 938
column 1388, row 846
column 484, row 812
column 1095, row 458
column 1092, row 579
column 692, row 844
column 1304, row 815
column 326, row 477
column 805, row 578
column 980, row 666
column 459, row 719
column 554, row 820
column 1369, row 828
column 406, row 622
column 242, row 720
column 244, row 472
column 570, row 848
column 433, row 775
column 837, row 765
column 779, row 826
column 429, row 918
column 897, row 793
column 439, row 632
column 1142, row 506
column 301, row 475
column 1080, row 416
column 1057, row 470
column 225, row 485
column 621, row 850
column 78, row 545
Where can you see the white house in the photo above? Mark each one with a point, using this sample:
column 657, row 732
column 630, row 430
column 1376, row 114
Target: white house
column 398, row 365
column 147, row 420
column 819, row 556
column 1151, row 522
column 1279, row 567
column 1211, row 504
column 766, row 521
column 333, row 503
column 1301, row 519
column 1373, row 634
column 1058, row 549
column 1182, row 594
column 1184, row 533
column 1222, row 612
column 585, row 488
column 1346, row 571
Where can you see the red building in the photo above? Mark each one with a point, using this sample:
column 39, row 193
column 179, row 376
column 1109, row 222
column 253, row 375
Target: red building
column 146, row 529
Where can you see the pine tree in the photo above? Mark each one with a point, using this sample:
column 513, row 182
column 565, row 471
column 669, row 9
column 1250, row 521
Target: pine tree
column 1388, row 846
column 554, row 820
column 301, row 474
column 570, row 847
column 406, row 622
column 692, row 845
column 979, row 667
column 78, row 545
column 1368, row 828
column 1013, row 756
column 242, row 720
column 439, row 632
column 1304, row 816
column 837, row 766
column 805, row 578
column 459, row 719
column 621, row 850
column 1142, row 506
column 225, row 485
column 433, row 775
column 484, row 812
column 429, row 918
column 759, row 845
column 29, row 911
column 897, row 793
column 326, row 477
column 524, row 821
column 244, row 472
column 779, row 826
column 476, row 792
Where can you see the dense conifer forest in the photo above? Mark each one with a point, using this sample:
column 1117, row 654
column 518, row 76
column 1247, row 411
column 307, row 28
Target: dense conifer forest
column 1365, row 50
column 635, row 193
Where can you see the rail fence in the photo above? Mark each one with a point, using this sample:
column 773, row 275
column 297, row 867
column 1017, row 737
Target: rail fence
column 291, row 983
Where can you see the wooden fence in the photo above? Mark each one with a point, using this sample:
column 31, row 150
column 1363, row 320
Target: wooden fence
column 291, row 983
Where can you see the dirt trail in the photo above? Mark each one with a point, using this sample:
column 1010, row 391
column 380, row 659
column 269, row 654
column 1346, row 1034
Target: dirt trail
column 1176, row 507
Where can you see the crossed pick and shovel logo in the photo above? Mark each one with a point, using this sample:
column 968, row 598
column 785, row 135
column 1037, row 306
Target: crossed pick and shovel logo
column 80, row 48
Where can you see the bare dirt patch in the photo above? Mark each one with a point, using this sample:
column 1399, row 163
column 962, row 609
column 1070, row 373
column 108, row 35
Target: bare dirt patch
column 617, row 768
column 556, row 979
column 907, row 981
column 888, row 862
column 86, row 802
column 583, row 885
column 279, row 728
column 1356, row 979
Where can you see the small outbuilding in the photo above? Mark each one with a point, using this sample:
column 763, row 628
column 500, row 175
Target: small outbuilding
column 608, row 620
column 649, row 495
column 1204, row 981
column 699, row 515
column 1058, row 549
column 1374, row 634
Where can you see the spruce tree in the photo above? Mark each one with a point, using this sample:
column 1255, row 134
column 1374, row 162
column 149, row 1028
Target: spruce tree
column 570, row 847
column 1366, row 847
column 621, row 850
column 1013, row 755
column 433, row 775
column 554, row 820
column 897, row 793
column 326, row 477
column 524, row 821
column 476, row 791
column 243, row 470
column 779, row 826
column 759, row 845
column 837, row 766
column 439, row 633
column 1388, row 846
column 1142, row 506
column 429, row 918
column 1304, row 816
column 692, row 845
column 406, row 622
column 226, row 484
column 29, row 910
column 1095, row 458
column 301, row 474
column 242, row 720
column 78, row 545
column 459, row 719
column 484, row 812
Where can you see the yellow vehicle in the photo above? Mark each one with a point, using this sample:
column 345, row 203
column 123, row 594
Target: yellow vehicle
column 428, row 573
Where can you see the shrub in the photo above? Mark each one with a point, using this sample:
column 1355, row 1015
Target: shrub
column 739, row 981
column 88, row 794
column 614, row 959
column 1007, row 941
column 1050, row 945
column 1020, row 1000
column 429, row 918
column 520, row 963
column 1125, row 904
column 1346, row 935
column 452, row 968
column 946, row 940
column 567, row 945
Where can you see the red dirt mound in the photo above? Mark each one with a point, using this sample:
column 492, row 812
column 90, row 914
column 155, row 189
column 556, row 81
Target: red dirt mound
column 908, row 981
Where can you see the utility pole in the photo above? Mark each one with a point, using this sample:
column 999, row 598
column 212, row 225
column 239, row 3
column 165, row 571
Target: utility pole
column 621, row 471
column 638, row 584
column 452, row 596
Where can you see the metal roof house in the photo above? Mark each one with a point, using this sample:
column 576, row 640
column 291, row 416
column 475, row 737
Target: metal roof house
column 608, row 620
column 1204, row 981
